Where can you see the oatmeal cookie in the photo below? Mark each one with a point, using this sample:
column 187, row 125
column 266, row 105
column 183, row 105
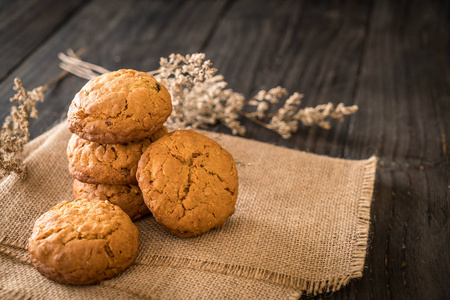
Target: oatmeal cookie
column 127, row 197
column 189, row 182
column 83, row 242
column 119, row 107
column 92, row 162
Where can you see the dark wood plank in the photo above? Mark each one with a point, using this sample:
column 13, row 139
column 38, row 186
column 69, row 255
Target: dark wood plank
column 310, row 47
column 403, row 94
column 25, row 24
column 117, row 34
column 389, row 57
column 407, row 257
column 403, row 91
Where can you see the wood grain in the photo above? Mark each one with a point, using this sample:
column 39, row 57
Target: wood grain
column 404, row 111
column 309, row 47
column 24, row 25
column 391, row 58
column 116, row 34
column 401, row 116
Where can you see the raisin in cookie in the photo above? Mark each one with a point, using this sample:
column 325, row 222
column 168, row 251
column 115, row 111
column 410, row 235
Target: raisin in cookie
column 83, row 242
column 92, row 162
column 119, row 107
column 127, row 197
column 189, row 182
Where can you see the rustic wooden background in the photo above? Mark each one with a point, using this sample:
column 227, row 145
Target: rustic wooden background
column 392, row 58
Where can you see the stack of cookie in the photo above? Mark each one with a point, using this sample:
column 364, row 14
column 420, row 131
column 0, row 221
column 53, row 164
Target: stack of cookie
column 121, row 152
column 114, row 118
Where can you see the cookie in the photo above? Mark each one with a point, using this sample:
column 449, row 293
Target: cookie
column 189, row 182
column 92, row 162
column 83, row 242
column 119, row 107
column 127, row 197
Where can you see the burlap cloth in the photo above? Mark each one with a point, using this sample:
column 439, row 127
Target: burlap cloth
column 301, row 226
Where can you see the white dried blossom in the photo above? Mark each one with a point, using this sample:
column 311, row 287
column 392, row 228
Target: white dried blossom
column 14, row 132
column 261, row 109
column 206, row 103
column 201, row 98
column 15, row 129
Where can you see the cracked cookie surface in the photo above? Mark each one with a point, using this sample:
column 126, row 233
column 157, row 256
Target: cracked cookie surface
column 127, row 197
column 189, row 182
column 83, row 242
column 91, row 162
column 119, row 107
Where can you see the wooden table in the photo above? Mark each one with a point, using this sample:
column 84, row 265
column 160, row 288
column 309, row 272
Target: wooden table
column 391, row 58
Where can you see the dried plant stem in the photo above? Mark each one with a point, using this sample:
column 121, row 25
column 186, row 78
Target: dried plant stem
column 15, row 129
column 253, row 119
column 64, row 73
column 201, row 98
column 73, row 64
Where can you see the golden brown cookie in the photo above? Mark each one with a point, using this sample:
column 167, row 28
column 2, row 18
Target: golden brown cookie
column 119, row 107
column 189, row 182
column 92, row 162
column 127, row 197
column 83, row 242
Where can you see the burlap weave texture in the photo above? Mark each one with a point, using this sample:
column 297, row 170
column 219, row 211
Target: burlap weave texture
column 301, row 226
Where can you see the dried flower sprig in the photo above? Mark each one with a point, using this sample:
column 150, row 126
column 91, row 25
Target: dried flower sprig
column 201, row 98
column 15, row 129
column 14, row 132
column 285, row 120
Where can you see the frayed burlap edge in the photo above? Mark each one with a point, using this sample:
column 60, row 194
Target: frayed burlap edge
column 12, row 242
column 297, row 283
column 10, row 248
column 17, row 253
column 10, row 294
